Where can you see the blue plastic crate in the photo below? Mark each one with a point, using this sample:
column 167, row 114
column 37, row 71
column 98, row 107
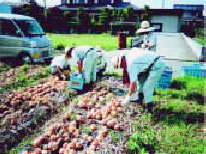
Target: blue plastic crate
column 165, row 79
column 163, row 85
column 194, row 70
column 204, row 73
column 76, row 81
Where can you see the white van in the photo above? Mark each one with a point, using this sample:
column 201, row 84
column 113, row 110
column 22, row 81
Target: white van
column 22, row 37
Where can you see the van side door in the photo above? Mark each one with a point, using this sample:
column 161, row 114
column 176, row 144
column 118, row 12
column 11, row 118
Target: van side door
column 10, row 43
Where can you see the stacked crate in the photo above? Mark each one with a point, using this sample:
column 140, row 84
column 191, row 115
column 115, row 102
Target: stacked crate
column 165, row 79
column 198, row 70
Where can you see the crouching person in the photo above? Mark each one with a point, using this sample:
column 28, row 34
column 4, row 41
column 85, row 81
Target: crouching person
column 86, row 60
column 145, row 69
column 61, row 65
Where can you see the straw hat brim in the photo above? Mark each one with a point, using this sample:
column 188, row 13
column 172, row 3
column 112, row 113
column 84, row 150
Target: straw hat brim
column 143, row 30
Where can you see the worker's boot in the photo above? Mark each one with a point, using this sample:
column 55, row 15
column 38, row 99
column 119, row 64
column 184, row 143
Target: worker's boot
column 148, row 107
column 60, row 78
column 140, row 98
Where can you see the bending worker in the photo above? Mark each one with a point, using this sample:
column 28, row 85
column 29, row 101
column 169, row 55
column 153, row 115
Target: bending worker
column 145, row 69
column 61, row 64
column 86, row 61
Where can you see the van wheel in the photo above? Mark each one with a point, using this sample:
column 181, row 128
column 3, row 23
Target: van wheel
column 48, row 61
column 25, row 59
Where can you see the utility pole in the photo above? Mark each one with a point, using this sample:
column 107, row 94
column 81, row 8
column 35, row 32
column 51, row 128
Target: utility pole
column 163, row 4
column 45, row 9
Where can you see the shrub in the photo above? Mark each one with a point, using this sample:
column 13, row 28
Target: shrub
column 60, row 47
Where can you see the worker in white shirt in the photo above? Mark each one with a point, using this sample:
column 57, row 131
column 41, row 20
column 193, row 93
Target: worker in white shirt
column 86, row 61
column 145, row 69
column 61, row 64
column 148, row 38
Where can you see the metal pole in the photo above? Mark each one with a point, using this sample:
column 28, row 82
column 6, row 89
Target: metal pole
column 163, row 4
column 45, row 11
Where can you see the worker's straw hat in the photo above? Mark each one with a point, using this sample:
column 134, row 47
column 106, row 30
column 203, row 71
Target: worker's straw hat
column 145, row 27
column 98, row 48
column 66, row 49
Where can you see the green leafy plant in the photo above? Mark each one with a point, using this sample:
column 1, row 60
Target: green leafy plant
column 60, row 46
column 4, row 67
column 73, row 116
column 25, row 67
column 134, row 142
column 114, row 136
column 25, row 81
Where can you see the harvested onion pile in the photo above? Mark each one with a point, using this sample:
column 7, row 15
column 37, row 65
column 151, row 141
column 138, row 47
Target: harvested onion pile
column 85, row 127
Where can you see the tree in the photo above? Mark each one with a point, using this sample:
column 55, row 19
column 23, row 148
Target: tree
column 26, row 9
column 55, row 14
column 105, row 16
column 82, row 17
column 93, row 21
column 146, row 7
column 79, row 16
column 121, row 15
column 130, row 15
column 114, row 14
column 67, row 15
column 83, row 20
column 56, row 19
column 145, row 15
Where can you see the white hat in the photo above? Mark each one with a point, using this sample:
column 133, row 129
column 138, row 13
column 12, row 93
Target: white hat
column 67, row 49
column 145, row 27
column 98, row 48
column 145, row 24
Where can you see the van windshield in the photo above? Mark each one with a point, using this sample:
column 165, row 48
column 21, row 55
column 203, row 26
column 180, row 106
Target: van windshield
column 30, row 28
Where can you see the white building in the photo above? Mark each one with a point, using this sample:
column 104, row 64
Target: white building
column 27, row 1
column 165, row 20
column 101, row 2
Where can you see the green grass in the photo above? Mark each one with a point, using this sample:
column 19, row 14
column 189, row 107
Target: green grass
column 105, row 41
column 202, row 41
column 177, row 125
column 199, row 35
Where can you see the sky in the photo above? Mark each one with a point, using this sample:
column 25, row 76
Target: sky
column 139, row 3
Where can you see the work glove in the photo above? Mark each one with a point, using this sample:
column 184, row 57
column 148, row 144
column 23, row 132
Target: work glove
column 126, row 101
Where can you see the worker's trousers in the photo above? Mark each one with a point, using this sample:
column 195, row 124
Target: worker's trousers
column 90, row 66
column 147, row 85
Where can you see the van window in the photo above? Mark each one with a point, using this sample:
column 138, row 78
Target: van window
column 30, row 27
column 7, row 27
